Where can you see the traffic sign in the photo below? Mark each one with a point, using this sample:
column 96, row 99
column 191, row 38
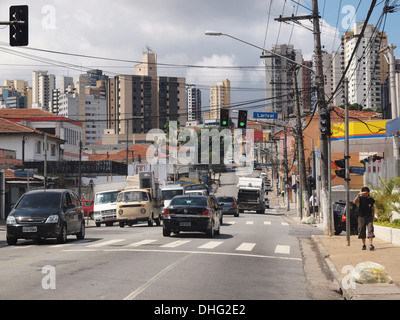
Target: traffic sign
column 265, row 115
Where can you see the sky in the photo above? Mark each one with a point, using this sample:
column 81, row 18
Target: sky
column 174, row 29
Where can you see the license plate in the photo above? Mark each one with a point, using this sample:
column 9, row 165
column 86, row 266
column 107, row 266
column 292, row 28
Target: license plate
column 109, row 218
column 185, row 224
column 29, row 229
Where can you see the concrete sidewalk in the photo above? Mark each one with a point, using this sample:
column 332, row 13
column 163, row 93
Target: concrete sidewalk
column 342, row 258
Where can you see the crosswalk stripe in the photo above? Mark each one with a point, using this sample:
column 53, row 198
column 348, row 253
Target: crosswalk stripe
column 245, row 246
column 284, row 223
column 175, row 244
column 282, row 249
column 141, row 243
column 231, row 222
column 267, row 222
column 105, row 243
column 249, row 222
column 211, row 245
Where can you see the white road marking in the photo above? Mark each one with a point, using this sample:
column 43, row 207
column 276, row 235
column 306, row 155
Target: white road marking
column 175, row 244
column 211, row 245
column 105, row 243
column 267, row 222
column 284, row 223
column 282, row 249
column 249, row 222
column 246, row 246
column 141, row 243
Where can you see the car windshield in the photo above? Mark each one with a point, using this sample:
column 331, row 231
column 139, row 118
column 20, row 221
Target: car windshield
column 225, row 199
column 169, row 194
column 40, row 200
column 132, row 196
column 189, row 201
column 106, row 197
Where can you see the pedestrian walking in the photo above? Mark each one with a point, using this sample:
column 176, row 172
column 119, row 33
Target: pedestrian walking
column 313, row 203
column 366, row 214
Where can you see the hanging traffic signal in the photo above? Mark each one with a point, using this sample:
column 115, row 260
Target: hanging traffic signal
column 242, row 120
column 224, row 118
column 325, row 122
column 19, row 26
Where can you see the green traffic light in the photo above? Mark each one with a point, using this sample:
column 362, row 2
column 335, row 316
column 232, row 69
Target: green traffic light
column 224, row 123
column 241, row 124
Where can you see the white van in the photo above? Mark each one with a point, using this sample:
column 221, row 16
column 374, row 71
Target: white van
column 105, row 207
column 170, row 191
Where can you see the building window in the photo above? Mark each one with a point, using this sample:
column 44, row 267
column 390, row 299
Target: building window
column 38, row 147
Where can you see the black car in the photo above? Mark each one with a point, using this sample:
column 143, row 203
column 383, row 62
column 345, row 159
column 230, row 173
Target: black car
column 42, row 214
column 339, row 216
column 192, row 213
column 229, row 205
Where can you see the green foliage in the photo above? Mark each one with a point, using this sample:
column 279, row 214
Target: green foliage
column 386, row 199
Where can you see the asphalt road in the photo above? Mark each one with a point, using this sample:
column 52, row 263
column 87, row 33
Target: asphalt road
column 256, row 257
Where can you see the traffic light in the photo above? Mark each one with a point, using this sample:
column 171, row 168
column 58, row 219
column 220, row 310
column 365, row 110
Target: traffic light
column 312, row 182
column 340, row 163
column 325, row 122
column 19, row 26
column 224, row 118
column 242, row 121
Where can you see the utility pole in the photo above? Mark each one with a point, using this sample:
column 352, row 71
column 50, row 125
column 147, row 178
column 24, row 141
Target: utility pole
column 300, row 146
column 324, row 118
column 346, row 160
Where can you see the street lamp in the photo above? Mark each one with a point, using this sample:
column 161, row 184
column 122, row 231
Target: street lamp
column 217, row 33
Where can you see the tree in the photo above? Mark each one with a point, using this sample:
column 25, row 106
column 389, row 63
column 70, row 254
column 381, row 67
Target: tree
column 386, row 198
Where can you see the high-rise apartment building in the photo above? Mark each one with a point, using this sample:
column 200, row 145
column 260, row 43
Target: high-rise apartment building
column 220, row 98
column 368, row 69
column 139, row 103
column 279, row 79
column 193, row 100
column 333, row 68
column 43, row 85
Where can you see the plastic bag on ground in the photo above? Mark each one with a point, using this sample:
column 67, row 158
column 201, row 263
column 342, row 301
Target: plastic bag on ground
column 369, row 273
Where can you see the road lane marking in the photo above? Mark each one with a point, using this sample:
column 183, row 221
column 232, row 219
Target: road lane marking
column 282, row 249
column 231, row 222
column 210, row 245
column 141, row 243
column 267, row 222
column 175, row 244
column 284, row 223
column 249, row 222
column 105, row 243
column 139, row 290
column 183, row 251
column 246, row 246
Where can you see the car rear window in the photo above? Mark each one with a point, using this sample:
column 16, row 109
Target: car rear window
column 225, row 199
column 189, row 201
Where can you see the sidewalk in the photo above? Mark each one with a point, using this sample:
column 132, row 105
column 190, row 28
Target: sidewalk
column 341, row 259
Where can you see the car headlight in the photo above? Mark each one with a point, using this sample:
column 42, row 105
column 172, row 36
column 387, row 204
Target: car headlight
column 121, row 212
column 11, row 220
column 52, row 219
column 143, row 210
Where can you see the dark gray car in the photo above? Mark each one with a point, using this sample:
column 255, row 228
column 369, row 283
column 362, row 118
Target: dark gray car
column 228, row 205
column 42, row 214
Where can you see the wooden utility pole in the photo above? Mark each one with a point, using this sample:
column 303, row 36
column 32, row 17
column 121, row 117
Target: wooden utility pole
column 324, row 117
column 300, row 146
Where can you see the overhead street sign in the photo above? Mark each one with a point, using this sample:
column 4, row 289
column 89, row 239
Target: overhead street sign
column 265, row 115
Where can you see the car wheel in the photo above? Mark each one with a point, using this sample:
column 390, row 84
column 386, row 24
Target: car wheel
column 81, row 234
column 122, row 224
column 98, row 224
column 12, row 241
column 62, row 238
column 158, row 221
column 166, row 232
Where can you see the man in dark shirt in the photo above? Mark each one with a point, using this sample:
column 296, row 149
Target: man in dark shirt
column 366, row 213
